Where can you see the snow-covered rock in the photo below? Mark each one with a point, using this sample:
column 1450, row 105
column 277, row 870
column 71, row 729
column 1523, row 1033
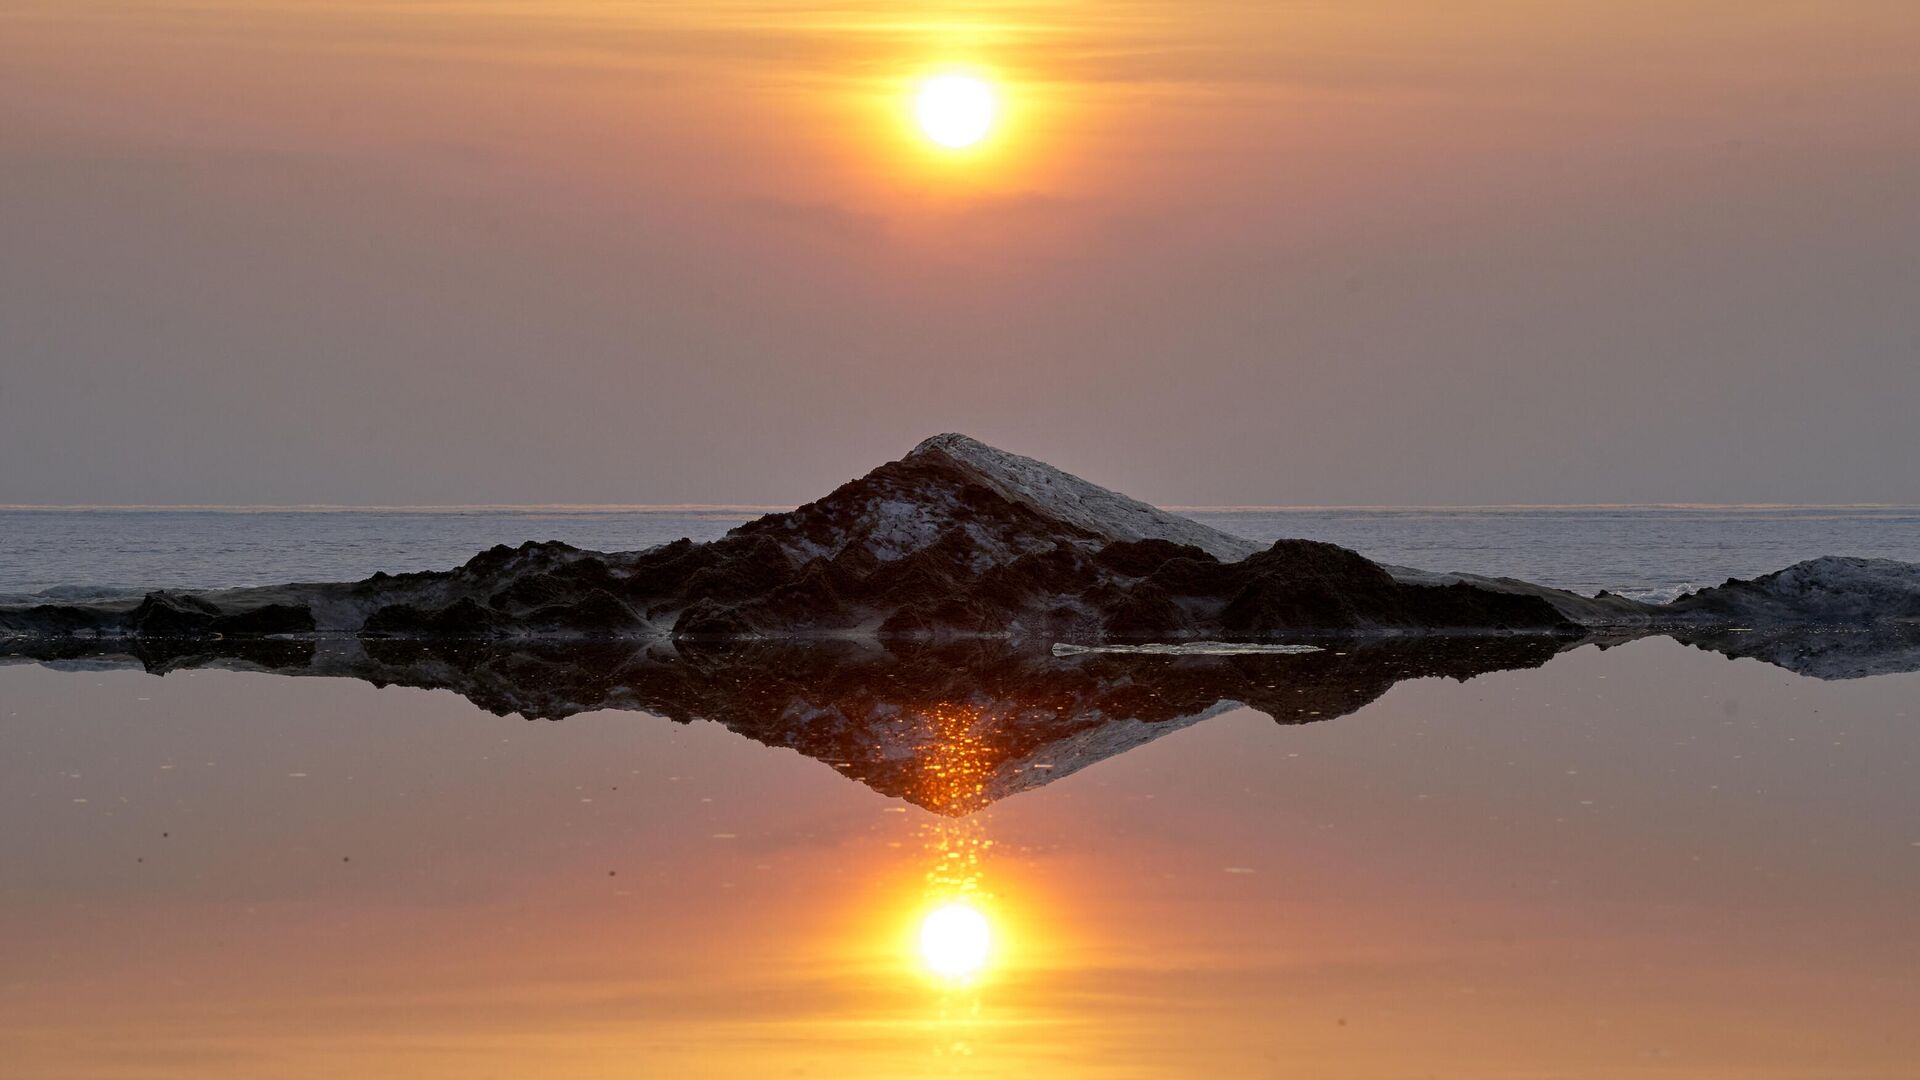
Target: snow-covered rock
column 1106, row 514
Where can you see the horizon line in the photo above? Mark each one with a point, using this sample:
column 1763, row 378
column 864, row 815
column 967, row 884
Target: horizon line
column 764, row 508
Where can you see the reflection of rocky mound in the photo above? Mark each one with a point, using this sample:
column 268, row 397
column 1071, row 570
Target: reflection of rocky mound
column 958, row 540
column 950, row 727
column 1818, row 652
column 947, row 727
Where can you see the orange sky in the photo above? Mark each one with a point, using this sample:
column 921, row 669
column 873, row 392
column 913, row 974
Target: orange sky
column 497, row 252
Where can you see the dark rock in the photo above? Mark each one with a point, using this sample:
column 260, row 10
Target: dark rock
column 168, row 614
column 711, row 619
column 1146, row 612
column 265, row 621
column 598, row 614
column 58, row 620
column 463, row 618
column 1140, row 558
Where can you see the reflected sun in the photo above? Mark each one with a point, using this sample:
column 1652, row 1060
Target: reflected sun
column 955, row 940
column 956, row 111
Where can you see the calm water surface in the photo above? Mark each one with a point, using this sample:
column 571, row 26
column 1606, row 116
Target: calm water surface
column 1648, row 861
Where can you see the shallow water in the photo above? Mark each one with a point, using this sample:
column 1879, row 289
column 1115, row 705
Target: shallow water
column 1645, row 861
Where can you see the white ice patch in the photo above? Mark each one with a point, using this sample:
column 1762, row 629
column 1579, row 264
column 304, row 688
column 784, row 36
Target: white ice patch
column 1191, row 648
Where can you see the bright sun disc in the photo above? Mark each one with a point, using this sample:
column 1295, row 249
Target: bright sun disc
column 954, row 941
column 956, row 111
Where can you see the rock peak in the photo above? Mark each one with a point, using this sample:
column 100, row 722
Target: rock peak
column 948, row 441
column 1066, row 497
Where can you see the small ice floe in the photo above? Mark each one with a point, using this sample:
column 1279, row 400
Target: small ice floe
column 1189, row 648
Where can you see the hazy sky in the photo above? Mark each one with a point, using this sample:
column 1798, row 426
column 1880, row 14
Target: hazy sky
column 1220, row 251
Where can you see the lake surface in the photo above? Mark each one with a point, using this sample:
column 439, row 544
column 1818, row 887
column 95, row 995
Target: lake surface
column 1645, row 861
column 1462, row 860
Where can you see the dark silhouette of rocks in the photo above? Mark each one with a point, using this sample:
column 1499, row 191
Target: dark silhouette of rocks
column 949, row 726
column 959, row 540
column 1888, row 648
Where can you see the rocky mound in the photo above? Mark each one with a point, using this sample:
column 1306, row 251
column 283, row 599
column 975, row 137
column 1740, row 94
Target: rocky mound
column 957, row 539
column 1832, row 591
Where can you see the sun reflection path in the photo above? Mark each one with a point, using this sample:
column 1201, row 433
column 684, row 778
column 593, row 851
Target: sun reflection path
column 957, row 939
column 956, row 935
column 956, row 761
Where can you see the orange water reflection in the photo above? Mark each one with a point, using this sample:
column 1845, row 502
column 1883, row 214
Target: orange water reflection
column 1642, row 863
column 955, row 764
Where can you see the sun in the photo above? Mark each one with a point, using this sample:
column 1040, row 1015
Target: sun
column 955, row 940
column 956, row 111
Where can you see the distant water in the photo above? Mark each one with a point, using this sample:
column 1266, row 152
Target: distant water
column 1648, row 552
